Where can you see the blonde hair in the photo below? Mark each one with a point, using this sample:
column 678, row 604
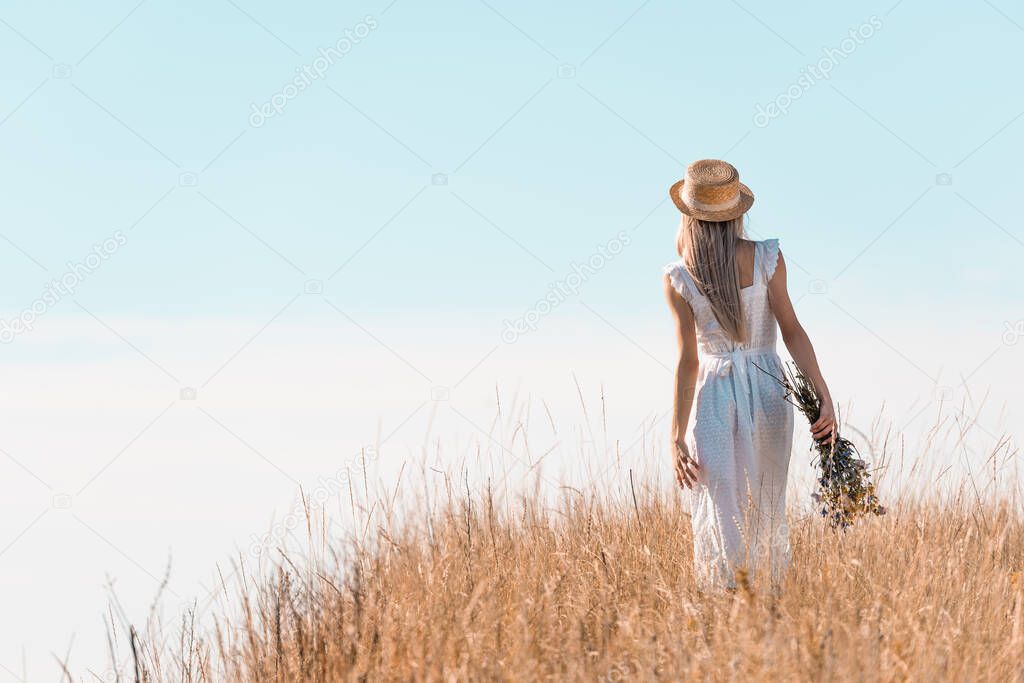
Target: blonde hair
column 708, row 249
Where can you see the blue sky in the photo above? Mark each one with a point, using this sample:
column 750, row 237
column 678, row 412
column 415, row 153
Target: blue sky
column 318, row 277
column 561, row 164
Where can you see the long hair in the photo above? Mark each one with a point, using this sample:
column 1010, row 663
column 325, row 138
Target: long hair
column 708, row 249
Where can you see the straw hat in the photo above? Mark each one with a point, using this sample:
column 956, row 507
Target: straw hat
column 712, row 191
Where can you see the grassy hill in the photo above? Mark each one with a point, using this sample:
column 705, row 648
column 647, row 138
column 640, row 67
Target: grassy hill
column 597, row 588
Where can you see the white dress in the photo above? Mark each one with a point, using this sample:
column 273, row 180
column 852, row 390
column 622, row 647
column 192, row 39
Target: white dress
column 741, row 435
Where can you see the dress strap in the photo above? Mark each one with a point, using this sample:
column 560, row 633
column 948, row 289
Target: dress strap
column 767, row 257
column 682, row 282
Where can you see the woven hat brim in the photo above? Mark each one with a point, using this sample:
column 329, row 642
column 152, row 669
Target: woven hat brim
column 746, row 201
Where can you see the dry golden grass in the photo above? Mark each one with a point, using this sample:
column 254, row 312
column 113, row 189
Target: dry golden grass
column 597, row 584
column 597, row 589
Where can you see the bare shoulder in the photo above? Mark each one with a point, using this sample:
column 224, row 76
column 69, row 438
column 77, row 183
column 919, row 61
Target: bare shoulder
column 748, row 246
column 745, row 261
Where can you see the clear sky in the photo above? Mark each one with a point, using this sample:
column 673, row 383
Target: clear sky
column 315, row 219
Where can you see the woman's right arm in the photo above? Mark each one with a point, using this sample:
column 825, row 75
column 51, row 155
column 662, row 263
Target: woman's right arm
column 801, row 349
column 685, row 381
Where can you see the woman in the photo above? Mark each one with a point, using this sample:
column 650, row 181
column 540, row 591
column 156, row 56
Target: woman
column 726, row 294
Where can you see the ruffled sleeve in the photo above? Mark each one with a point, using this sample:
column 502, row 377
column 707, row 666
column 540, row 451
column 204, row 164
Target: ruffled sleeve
column 680, row 280
column 769, row 257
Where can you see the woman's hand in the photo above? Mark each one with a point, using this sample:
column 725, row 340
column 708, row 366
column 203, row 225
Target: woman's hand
column 824, row 428
column 686, row 467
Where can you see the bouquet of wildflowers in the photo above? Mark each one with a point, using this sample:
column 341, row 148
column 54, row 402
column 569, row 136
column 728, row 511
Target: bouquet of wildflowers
column 845, row 490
